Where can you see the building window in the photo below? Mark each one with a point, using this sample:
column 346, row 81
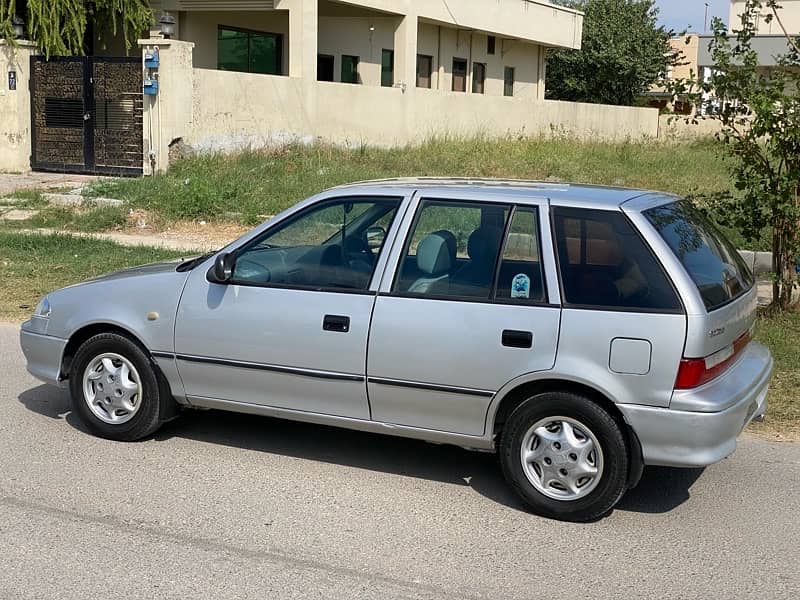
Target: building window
column 478, row 77
column 350, row 69
column 249, row 51
column 508, row 81
column 424, row 70
column 324, row 67
column 491, row 43
column 387, row 68
column 459, row 75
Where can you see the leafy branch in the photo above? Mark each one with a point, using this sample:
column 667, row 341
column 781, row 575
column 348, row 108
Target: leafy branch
column 758, row 110
column 59, row 26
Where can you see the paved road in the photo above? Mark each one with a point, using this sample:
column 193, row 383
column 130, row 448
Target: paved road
column 224, row 506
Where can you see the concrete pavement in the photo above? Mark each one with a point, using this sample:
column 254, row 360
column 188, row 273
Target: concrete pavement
column 228, row 506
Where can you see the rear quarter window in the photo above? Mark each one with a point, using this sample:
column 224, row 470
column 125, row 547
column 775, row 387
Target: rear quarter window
column 709, row 258
column 604, row 263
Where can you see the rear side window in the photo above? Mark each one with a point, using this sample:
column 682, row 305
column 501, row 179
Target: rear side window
column 604, row 263
column 710, row 259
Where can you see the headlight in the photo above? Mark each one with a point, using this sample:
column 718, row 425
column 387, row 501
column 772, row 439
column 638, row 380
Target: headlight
column 43, row 309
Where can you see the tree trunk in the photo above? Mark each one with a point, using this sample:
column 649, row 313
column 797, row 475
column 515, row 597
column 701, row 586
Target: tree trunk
column 776, row 266
column 783, row 264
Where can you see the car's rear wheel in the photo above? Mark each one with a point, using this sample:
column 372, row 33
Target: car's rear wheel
column 565, row 456
column 115, row 388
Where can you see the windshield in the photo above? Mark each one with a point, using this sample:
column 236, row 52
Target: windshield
column 710, row 259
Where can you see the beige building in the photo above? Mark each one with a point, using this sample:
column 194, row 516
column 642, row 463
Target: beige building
column 496, row 48
column 789, row 14
column 770, row 40
column 685, row 50
column 236, row 74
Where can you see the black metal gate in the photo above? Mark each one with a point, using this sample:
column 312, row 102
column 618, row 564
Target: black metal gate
column 86, row 115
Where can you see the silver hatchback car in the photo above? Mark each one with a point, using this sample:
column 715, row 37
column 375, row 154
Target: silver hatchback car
column 580, row 332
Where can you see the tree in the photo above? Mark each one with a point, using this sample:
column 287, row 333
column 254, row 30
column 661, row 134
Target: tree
column 624, row 52
column 758, row 110
column 59, row 27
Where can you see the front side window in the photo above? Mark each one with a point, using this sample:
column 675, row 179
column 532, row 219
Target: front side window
column 604, row 263
column 249, row 51
column 452, row 250
column 712, row 262
column 332, row 245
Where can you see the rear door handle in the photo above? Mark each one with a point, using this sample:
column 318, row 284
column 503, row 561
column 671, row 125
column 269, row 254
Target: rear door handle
column 338, row 323
column 517, row 339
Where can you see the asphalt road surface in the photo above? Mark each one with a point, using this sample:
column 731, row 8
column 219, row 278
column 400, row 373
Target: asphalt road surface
column 228, row 506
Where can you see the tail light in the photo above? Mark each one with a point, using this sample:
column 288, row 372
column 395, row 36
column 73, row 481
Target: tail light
column 694, row 372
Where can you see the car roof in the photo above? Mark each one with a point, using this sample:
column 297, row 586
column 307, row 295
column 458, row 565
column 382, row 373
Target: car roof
column 559, row 194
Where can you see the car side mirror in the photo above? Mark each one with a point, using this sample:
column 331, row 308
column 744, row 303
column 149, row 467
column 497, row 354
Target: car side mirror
column 375, row 236
column 222, row 269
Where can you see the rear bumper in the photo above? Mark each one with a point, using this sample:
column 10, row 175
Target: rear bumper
column 684, row 438
column 43, row 354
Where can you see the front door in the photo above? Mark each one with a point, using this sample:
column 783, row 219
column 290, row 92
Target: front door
column 468, row 311
column 290, row 329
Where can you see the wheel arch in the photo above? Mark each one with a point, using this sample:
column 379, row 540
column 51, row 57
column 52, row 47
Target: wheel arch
column 80, row 335
column 501, row 409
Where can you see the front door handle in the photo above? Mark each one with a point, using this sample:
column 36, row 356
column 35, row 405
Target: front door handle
column 338, row 323
column 517, row 339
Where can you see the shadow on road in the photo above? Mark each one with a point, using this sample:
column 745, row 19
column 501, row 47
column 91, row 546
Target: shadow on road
column 659, row 491
column 52, row 402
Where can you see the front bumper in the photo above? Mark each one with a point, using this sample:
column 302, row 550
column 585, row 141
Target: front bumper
column 43, row 354
column 683, row 438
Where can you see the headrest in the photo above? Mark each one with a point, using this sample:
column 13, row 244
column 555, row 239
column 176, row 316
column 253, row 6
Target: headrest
column 435, row 255
column 484, row 244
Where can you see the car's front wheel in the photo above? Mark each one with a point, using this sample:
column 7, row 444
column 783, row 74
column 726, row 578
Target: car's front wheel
column 565, row 456
column 115, row 388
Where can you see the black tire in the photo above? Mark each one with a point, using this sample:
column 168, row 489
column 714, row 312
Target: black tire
column 148, row 416
column 605, row 428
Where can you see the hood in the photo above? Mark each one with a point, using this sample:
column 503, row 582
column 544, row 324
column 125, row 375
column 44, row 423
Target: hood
column 143, row 270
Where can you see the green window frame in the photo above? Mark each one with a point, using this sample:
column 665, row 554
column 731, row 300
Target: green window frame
column 508, row 81
column 249, row 51
column 350, row 69
column 387, row 68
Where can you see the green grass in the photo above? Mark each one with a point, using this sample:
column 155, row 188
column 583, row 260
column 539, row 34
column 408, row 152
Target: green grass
column 245, row 186
column 102, row 218
column 33, row 265
column 782, row 334
column 30, row 199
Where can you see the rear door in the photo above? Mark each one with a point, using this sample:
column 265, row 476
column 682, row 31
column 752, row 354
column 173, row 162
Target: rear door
column 463, row 308
column 623, row 326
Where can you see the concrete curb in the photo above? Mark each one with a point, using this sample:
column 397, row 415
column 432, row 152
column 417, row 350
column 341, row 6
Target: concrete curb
column 759, row 262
